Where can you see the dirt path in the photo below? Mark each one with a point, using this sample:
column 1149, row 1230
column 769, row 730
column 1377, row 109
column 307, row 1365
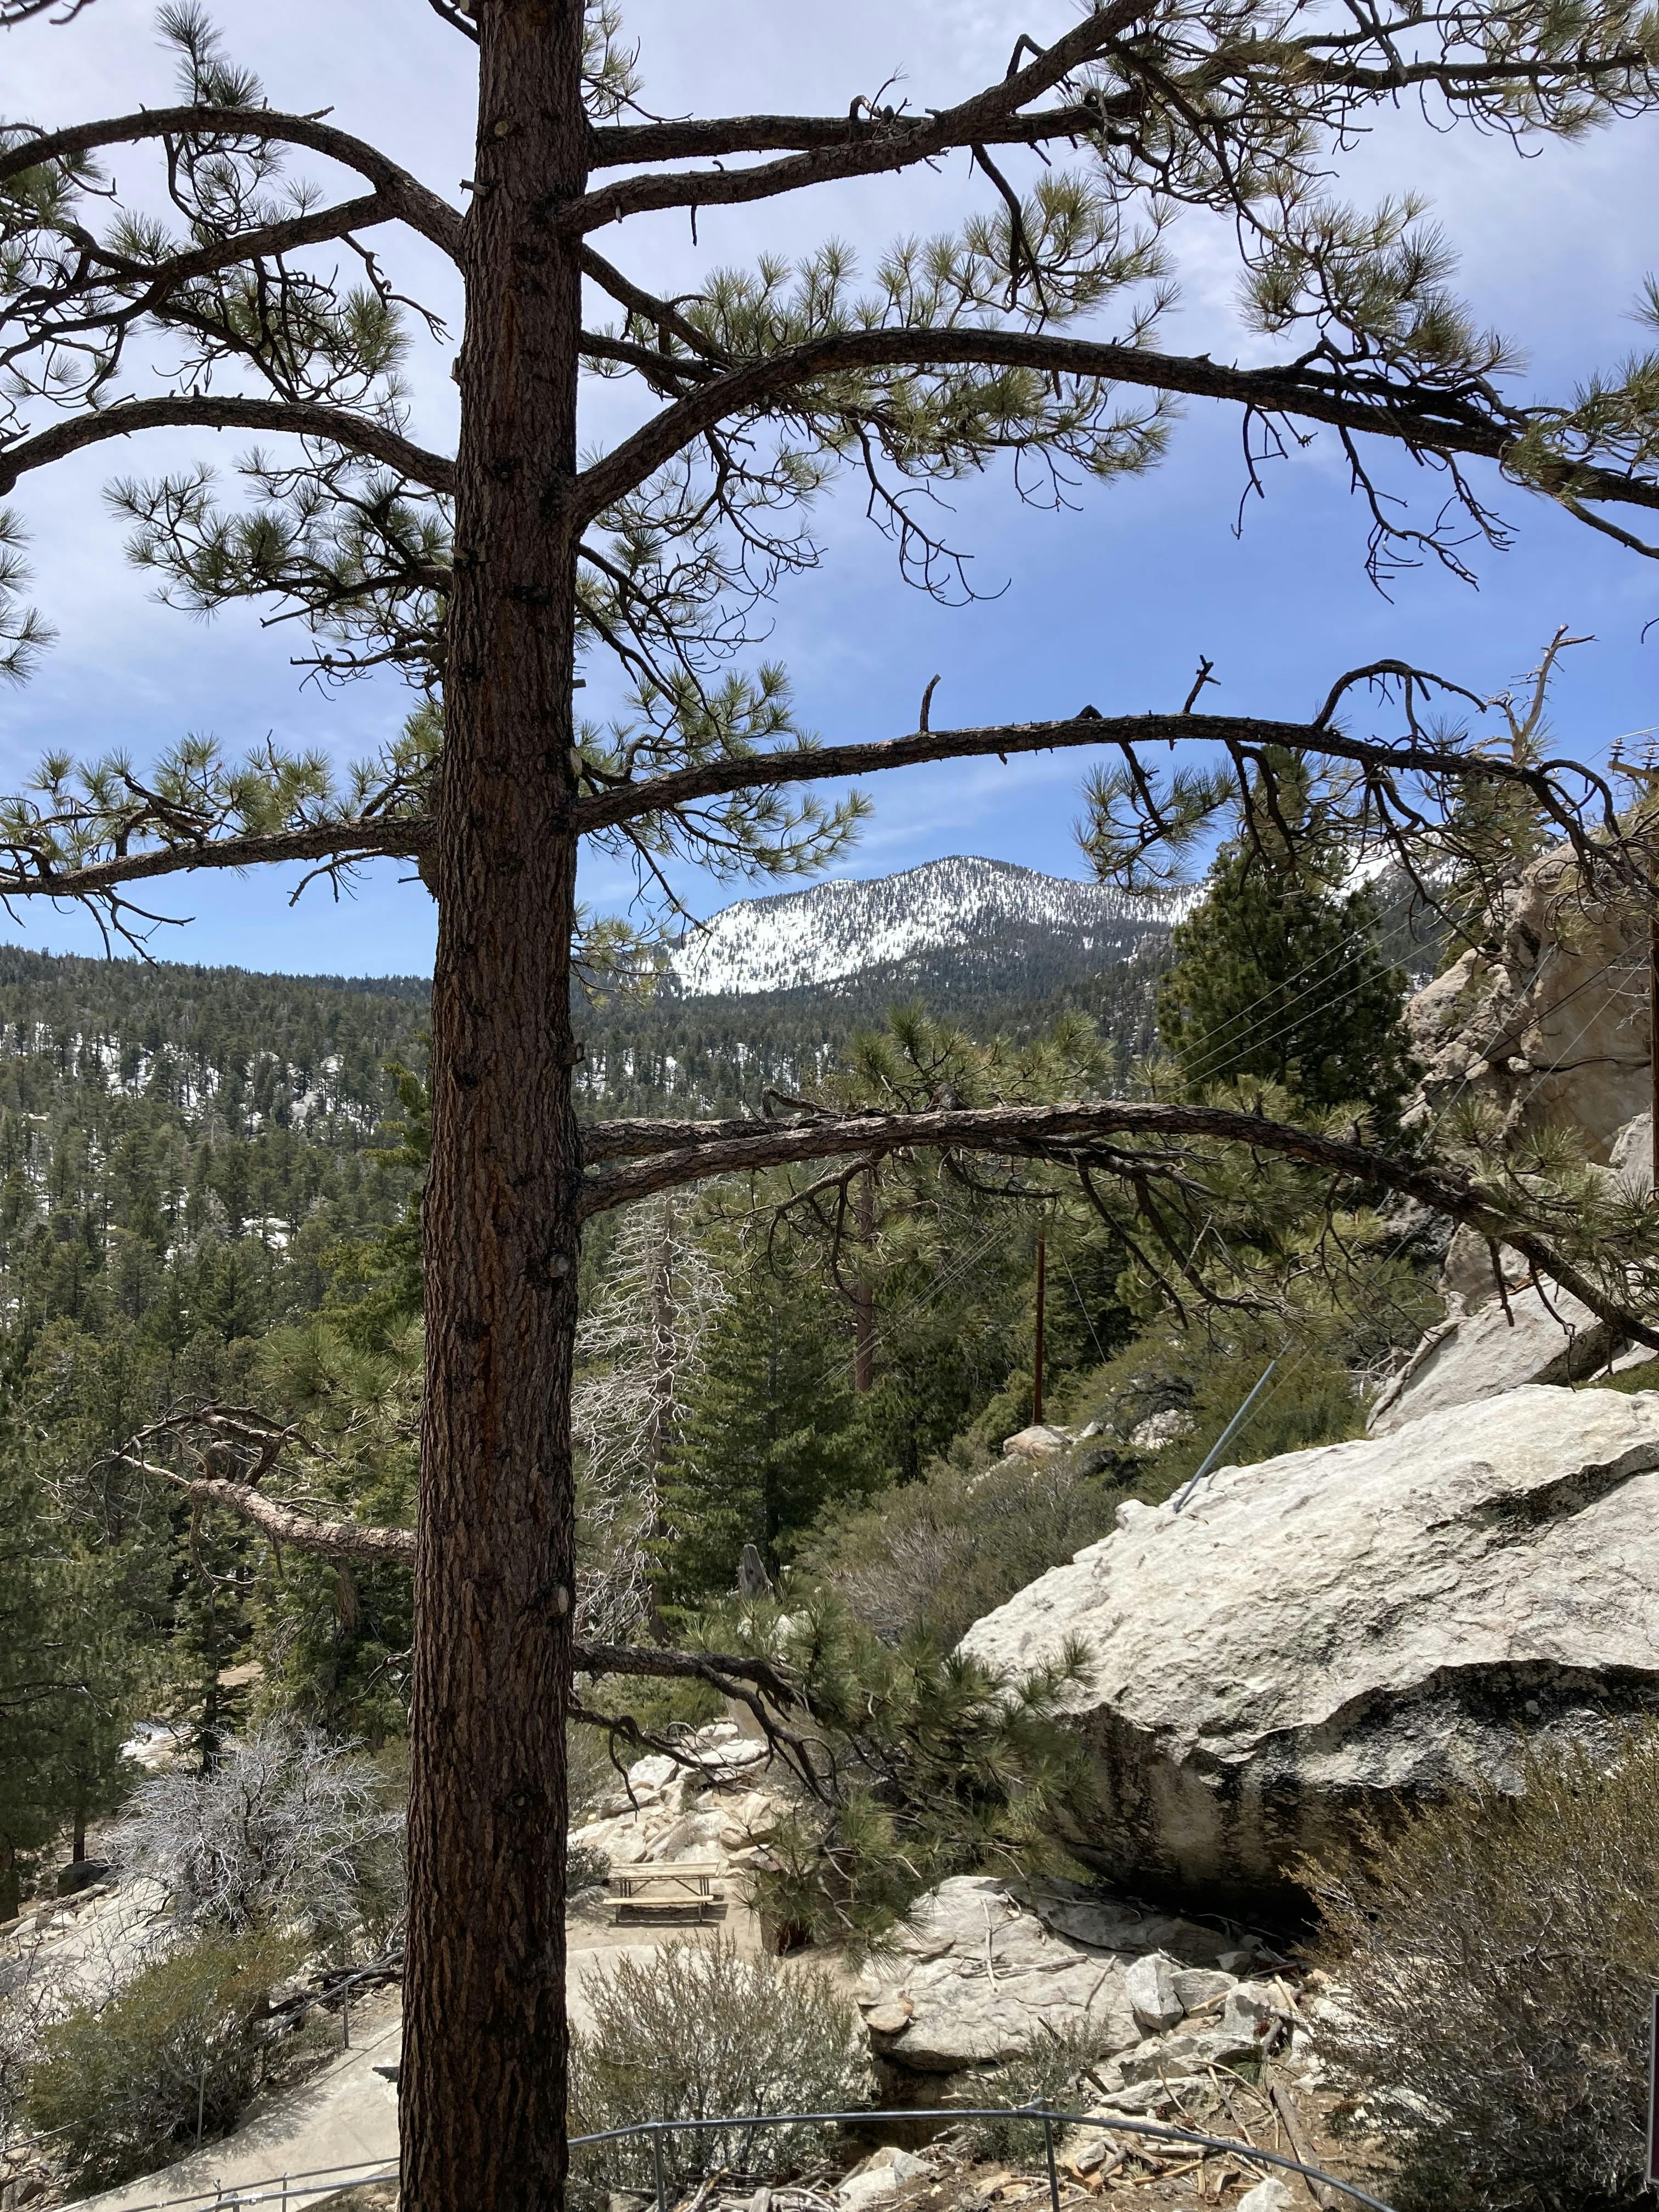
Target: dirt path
column 347, row 2114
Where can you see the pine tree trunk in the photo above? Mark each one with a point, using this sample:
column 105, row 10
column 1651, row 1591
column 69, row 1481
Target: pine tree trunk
column 483, row 2078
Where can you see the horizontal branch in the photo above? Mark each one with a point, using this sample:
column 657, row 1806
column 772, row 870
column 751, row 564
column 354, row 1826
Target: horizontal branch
column 897, row 142
column 420, row 207
column 659, row 795
column 1418, row 417
column 718, row 138
column 401, row 837
column 647, row 1659
column 356, row 1540
column 318, row 227
column 1062, row 1136
column 867, row 142
column 641, row 1139
column 287, row 418
column 285, row 1524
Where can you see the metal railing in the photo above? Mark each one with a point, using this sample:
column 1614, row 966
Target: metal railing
column 293, row 2189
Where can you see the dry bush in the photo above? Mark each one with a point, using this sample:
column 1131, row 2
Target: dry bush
column 939, row 1554
column 286, row 1828
column 1496, row 1956
column 698, row 2031
column 123, row 2087
column 1053, row 2069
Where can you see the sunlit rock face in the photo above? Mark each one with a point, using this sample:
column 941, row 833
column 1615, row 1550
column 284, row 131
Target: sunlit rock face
column 1320, row 1632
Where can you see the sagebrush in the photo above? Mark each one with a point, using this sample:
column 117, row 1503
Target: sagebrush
column 933, row 1556
column 126, row 2087
column 1495, row 1958
column 697, row 2031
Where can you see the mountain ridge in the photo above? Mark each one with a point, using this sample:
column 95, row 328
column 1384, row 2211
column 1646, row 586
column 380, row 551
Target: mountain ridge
column 961, row 909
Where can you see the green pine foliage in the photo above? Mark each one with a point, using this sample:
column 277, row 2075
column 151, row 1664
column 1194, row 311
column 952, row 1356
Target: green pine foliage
column 1277, row 973
column 930, row 1764
column 66, row 1676
column 770, row 1435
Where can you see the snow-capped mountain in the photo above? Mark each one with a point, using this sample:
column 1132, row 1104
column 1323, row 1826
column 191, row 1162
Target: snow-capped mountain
column 947, row 918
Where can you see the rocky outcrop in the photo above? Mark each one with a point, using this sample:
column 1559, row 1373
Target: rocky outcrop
column 1551, row 1027
column 985, row 1972
column 1039, row 1443
column 1317, row 1633
column 1494, row 1340
column 717, row 1805
column 1502, row 1328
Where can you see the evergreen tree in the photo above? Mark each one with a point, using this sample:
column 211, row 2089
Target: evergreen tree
column 769, row 1434
column 1277, row 976
column 66, row 1677
column 492, row 574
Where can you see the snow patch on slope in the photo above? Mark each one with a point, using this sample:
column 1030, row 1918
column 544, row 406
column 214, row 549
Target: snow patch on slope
column 839, row 928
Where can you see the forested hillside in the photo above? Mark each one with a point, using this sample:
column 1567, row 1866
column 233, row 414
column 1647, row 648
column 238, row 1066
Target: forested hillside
column 179, row 1145
column 206, row 1179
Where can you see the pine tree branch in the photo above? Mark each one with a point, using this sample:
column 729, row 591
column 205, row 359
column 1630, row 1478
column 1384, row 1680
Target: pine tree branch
column 660, row 795
column 1064, row 1136
column 900, row 146
column 617, row 145
column 161, row 277
column 638, row 301
column 283, row 1524
column 1420, row 416
column 29, row 874
column 718, row 138
column 293, row 418
column 415, row 203
column 357, row 1540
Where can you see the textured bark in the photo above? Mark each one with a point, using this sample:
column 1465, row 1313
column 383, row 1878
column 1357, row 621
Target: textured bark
column 483, row 2101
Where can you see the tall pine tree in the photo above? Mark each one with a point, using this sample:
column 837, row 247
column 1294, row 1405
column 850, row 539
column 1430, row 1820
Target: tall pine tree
column 1280, row 974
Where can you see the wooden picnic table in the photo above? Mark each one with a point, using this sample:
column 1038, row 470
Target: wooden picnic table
column 681, row 1889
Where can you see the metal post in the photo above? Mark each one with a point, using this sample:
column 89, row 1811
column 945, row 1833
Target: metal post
column 1048, row 2151
column 656, row 2160
column 200, row 2099
column 345, row 2014
column 1036, row 1359
column 1223, row 1439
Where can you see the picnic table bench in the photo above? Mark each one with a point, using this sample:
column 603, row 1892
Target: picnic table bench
column 674, row 1889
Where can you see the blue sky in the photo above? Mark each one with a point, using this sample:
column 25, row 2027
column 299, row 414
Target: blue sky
column 1111, row 603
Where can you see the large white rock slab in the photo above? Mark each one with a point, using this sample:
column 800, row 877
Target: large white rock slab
column 1485, row 1352
column 981, row 1973
column 1330, row 1627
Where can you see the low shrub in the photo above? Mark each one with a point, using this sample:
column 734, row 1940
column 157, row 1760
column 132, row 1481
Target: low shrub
column 586, row 1869
column 1053, row 2069
column 124, row 2088
column 286, row 1828
column 1495, row 1958
column 935, row 1556
column 697, row 2031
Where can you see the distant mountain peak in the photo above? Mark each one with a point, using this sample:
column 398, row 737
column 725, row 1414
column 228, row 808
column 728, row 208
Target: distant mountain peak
column 839, row 929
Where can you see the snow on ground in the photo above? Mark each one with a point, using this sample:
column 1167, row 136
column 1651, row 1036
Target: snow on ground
column 837, row 928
